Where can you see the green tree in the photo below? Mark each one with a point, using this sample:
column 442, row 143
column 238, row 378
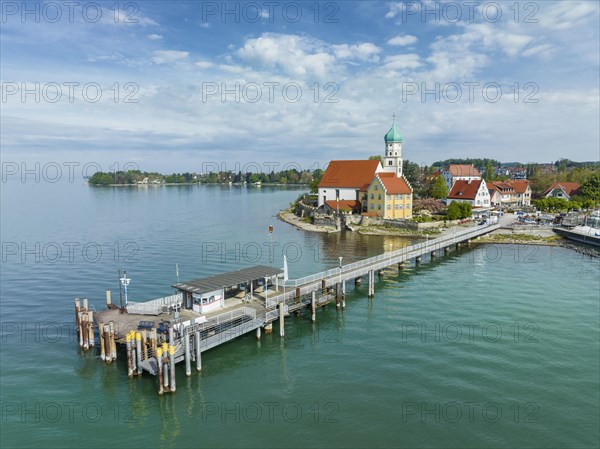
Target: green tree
column 439, row 189
column 591, row 188
column 376, row 158
column 490, row 172
column 458, row 210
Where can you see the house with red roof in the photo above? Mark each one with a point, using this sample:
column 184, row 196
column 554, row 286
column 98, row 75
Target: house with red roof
column 562, row 190
column 369, row 186
column 347, row 181
column 455, row 172
column 475, row 192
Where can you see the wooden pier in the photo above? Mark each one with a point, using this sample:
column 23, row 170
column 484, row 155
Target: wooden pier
column 208, row 312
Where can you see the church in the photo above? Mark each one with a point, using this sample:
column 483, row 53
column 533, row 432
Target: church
column 369, row 187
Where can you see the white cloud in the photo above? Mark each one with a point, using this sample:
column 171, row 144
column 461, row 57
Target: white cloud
column 366, row 51
column 166, row 56
column 296, row 55
column 155, row 37
column 402, row 40
column 399, row 62
column 544, row 51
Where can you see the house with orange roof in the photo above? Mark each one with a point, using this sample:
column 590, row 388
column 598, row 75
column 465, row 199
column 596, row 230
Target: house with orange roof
column 475, row 192
column 562, row 190
column 512, row 193
column 455, row 172
column 390, row 196
column 369, row 186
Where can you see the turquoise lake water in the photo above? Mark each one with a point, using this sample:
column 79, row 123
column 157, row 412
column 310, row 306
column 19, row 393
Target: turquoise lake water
column 488, row 347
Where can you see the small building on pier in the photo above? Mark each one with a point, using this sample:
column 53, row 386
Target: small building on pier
column 212, row 293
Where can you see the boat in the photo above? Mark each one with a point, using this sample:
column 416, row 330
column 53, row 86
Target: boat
column 587, row 233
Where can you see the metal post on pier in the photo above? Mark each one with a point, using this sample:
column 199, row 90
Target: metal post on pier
column 108, row 299
column 343, row 294
column 199, row 352
column 138, row 350
column 188, row 362
column 281, row 319
column 313, row 307
column 159, row 364
column 172, row 357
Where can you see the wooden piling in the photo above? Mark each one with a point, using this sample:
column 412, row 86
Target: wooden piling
column 313, row 306
column 258, row 333
column 323, row 287
column 77, row 310
column 113, row 343
column 108, row 299
column 101, row 335
column 343, row 294
column 338, row 293
column 91, row 329
column 84, row 331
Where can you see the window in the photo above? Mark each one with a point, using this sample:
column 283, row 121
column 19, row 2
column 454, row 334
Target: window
column 398, row 197
column 389, row 207
column 408, row 206
column 372, row 196
column 400, row 206
column 390, row 162
column 379, row 206
column 388, row 197
column 379, row 196
column 397, row 206
column 376, row 187
column 395, row 154
column 372, row 205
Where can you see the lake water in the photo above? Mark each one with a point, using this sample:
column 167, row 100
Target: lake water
column 492, row 346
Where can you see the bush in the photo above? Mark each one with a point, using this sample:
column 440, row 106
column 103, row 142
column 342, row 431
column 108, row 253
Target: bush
column 458, row 210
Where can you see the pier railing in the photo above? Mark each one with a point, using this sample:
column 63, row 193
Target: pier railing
column 155, row 306
column 408, row 252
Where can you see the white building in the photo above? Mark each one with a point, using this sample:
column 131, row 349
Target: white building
column 347, row 180
column 474, row 192
column 456, row 172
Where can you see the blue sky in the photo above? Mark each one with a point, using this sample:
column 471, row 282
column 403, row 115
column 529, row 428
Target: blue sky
column 328, row 82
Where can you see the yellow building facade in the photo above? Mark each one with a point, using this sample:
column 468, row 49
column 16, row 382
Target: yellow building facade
column 389, row 197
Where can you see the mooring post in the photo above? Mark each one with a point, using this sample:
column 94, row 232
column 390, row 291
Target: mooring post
column 313, row 306
column 199, row 352
column 258, row 333
column 338, row 292
column 159, row 364
column 101, row 335
column 77, row 310
column 129, row 365
column 446, row 249
column 172, row 357
column 343, row 294
column 371, row 290
column 106, row 341
column 138, row 350
column 281, row 319
column 85, row 328
column 323, row 287
column 165, row 364
column 417, row 260
column 91, row 333
column 113, row 342
column 433, row 254
column 108, row 299
column 188, row 362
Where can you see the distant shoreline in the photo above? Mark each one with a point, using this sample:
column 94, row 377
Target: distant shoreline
column 270, row 184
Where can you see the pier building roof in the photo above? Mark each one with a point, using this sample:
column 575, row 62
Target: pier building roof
column 219, row 281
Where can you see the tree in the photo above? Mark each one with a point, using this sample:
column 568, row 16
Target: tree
column 376, row 158
column 591, row 188
column 458, row 210
column 439, row 189
column 490, row 172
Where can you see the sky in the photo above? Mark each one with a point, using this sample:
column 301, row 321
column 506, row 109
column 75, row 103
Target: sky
column 193, row 86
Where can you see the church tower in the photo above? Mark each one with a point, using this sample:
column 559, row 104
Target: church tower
column 392, row 160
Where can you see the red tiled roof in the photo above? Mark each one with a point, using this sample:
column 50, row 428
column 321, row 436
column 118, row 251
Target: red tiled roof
column 349, row 174
column 464, row 190
column 520, row 186
column 463, row 170
column 569, row 187
column 344, row 204
column 394, row 184
column 502, row 186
